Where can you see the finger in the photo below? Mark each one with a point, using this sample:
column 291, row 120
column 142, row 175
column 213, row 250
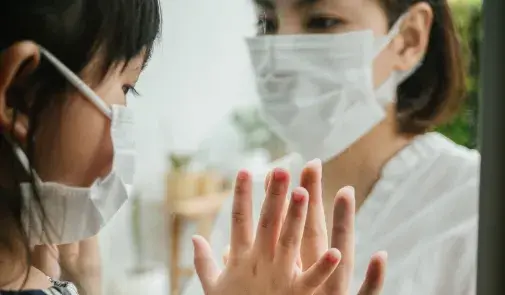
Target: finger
column 267, row 180
column 374, row 280
column 269, row 224
column 285, row 208
column 319, row 272
column 242, row 224
column 226, row 255
column 342, row 238
column 286, row 202
column 45, row 259
column 290, row 240
column 315, row 238
column 299, row 262
column 206, row 267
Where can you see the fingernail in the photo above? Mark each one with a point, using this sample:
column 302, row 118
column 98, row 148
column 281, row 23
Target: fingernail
column 279, row 174
column 333, row 256
column 299, row 195
column 242, row 175
column 350, row 189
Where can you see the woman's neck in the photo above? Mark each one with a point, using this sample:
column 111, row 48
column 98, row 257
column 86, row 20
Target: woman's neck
column 361, row 164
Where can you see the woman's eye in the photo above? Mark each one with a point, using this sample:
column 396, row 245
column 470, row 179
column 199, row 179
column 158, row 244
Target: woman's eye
column 323, row 23
column 265, row 26
column 130, row 89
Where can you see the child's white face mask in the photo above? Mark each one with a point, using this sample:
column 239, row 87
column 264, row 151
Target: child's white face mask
column 77, row 213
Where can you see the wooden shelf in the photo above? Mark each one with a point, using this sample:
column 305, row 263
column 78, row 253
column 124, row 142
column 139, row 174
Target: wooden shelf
column 195, row 207
column 201, row 210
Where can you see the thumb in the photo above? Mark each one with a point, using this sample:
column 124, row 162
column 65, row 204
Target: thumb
column 206, row 267
column 374, row 280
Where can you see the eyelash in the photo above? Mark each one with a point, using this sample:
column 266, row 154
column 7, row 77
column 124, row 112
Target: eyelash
column 130, row 88
column 326, row 22
column 316, row 22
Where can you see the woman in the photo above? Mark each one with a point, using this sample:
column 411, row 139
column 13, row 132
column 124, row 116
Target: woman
column 66, row 157
column 358, row 84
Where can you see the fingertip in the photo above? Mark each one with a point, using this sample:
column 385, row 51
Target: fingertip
column 345, row 196
column 383, row 255
column 280, row 174
column 379, row 259
column 347, row 190
column 300, row 194
column 198, row 241
column 333, row 256
column 312, row 171
column 243, row 175
column 194, row 239
column 243, row 183
column 376, row 270
column 315, row 163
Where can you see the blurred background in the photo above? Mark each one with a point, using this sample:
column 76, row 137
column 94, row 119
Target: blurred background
column 198, row 124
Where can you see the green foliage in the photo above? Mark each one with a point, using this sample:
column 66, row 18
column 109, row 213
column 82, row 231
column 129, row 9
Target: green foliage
column 180, row 162
column 256, row 133
column 463, row 128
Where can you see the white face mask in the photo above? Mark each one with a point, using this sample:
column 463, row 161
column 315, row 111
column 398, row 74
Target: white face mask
column 317, row 91
column 77, row 213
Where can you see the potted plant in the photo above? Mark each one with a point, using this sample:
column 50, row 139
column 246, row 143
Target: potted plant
column 181, row 183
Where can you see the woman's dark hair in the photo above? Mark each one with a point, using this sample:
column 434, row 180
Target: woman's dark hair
column 78, row 32
column 433, row 94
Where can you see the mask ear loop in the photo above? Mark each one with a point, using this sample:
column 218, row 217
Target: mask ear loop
column 77, row 82
column 395, row 30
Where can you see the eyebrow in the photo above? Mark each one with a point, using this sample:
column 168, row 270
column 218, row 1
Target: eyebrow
column 269, row 4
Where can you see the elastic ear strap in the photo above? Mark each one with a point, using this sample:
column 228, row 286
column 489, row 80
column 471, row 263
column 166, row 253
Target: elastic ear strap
column 395, row 30
column 23, row 159
column 77, row 82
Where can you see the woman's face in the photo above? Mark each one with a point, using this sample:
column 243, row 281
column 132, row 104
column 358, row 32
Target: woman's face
column 340, row 16
column 73, row 144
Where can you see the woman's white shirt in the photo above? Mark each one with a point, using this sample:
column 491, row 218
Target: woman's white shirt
column 422, row 211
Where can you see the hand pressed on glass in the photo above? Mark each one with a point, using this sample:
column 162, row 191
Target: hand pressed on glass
column 265, row 265
column 315, row 239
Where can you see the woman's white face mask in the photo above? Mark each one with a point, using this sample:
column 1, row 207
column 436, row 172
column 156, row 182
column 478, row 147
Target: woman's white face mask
column 317, row 91
column 76, row 213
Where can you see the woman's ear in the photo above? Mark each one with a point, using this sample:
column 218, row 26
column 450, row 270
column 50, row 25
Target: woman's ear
column 16, row 63
column 414, row 36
